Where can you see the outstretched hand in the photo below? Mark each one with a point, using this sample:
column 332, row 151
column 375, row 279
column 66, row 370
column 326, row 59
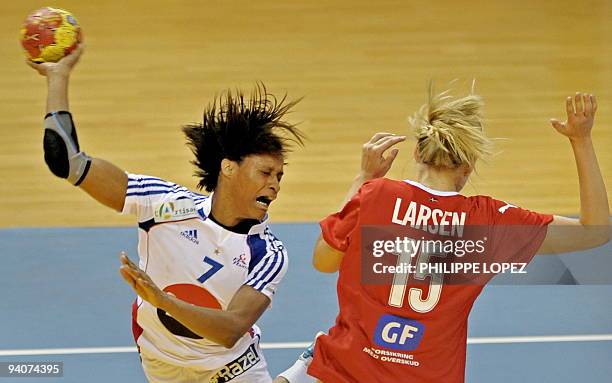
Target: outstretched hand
column 62, row 68
column 373, row 164
column 580, row 116
column 141, row 282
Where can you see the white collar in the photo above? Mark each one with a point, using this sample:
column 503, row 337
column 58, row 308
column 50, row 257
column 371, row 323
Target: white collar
column 431, row 191
column 255, row 229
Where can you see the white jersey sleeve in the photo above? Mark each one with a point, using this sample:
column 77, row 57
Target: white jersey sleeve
column 268, row 264
column 146, row 196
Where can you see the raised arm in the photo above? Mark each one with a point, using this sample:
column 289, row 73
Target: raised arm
column 100, row 179
column 325, row 258
column 592, row 228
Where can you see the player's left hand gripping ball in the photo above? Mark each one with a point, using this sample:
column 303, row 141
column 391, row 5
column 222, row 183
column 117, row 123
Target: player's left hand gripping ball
column 48, row 34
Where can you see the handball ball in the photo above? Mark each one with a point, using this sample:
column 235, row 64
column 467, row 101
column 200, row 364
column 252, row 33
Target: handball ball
column 48, row 34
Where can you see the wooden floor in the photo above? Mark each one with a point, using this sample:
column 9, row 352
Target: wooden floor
column 362, row 65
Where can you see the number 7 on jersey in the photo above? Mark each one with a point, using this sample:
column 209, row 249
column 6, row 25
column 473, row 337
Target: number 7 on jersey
column 214, row 268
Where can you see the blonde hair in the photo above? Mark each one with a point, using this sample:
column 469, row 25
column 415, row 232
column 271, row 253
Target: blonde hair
column 449, row 130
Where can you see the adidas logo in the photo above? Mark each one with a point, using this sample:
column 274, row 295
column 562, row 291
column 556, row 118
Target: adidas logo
column 191, row 235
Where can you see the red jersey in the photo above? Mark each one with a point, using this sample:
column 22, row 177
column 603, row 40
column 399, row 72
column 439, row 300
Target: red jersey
column 414, row 330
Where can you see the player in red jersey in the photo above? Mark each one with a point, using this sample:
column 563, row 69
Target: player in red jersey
column 412, row 327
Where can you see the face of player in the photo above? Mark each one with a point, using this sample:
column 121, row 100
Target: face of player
column 256, row 184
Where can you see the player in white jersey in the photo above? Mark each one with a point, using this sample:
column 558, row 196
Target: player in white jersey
column 214, row 258
column 176, row 229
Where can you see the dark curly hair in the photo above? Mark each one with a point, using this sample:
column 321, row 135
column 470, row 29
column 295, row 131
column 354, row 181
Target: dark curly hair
column 234, row 127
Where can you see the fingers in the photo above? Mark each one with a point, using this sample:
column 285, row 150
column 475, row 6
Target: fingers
column 127, row 276
column 569, row 106
column 588, row 105
column 80, row 49
column 382, row 141
column 125, row 260
column 129, row 271
column 581, row 104
column 73, row 57
column 385, row 143
column 373, row 163
column 137, row 280
column 578, row 101
column 128, row 268
column 32, row 64
column 580, row 116
column 123, row 257
column 39, row 67
column 558, row 125
column 389, row 160
column 375, row 138
column 136, row 273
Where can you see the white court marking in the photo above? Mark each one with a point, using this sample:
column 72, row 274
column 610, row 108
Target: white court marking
column 300, row 345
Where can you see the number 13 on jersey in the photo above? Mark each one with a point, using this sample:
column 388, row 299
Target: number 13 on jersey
column 416, row 300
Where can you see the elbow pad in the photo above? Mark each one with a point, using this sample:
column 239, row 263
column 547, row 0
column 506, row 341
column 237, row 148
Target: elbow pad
column 61, row 145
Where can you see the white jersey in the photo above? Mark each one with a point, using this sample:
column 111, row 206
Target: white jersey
column 200, row 262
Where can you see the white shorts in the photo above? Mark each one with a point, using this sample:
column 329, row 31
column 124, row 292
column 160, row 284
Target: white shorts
column 249, row 367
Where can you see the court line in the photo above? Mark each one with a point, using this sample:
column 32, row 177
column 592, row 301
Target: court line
column 300, row 345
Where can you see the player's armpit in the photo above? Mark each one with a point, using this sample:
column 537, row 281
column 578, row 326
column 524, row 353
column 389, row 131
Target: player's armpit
column 106, row 183
column 325, row 258
column 565, row 235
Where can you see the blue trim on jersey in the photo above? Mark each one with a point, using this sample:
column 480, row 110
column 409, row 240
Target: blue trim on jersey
column 282, row 264
column 136, row 186
column 262, row 282
column 136, row 190
column 169, row 189
column 142, row 186
column 134, row 177
column 262, row 266
column 201, row 212
column 257, row 270
column 150, row 192
column 273, row 263
column 258, row 250
column 187, row 193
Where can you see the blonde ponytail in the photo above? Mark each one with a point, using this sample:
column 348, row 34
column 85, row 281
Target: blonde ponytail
column 449, row 130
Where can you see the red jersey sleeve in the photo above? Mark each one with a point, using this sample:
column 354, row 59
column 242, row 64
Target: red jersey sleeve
column 518, row 232
column 337, row 228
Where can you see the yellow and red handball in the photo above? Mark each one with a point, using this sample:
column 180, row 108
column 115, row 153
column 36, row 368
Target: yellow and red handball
column 48, row 34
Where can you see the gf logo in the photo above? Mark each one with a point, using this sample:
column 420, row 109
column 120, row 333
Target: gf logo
column 398, row 333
